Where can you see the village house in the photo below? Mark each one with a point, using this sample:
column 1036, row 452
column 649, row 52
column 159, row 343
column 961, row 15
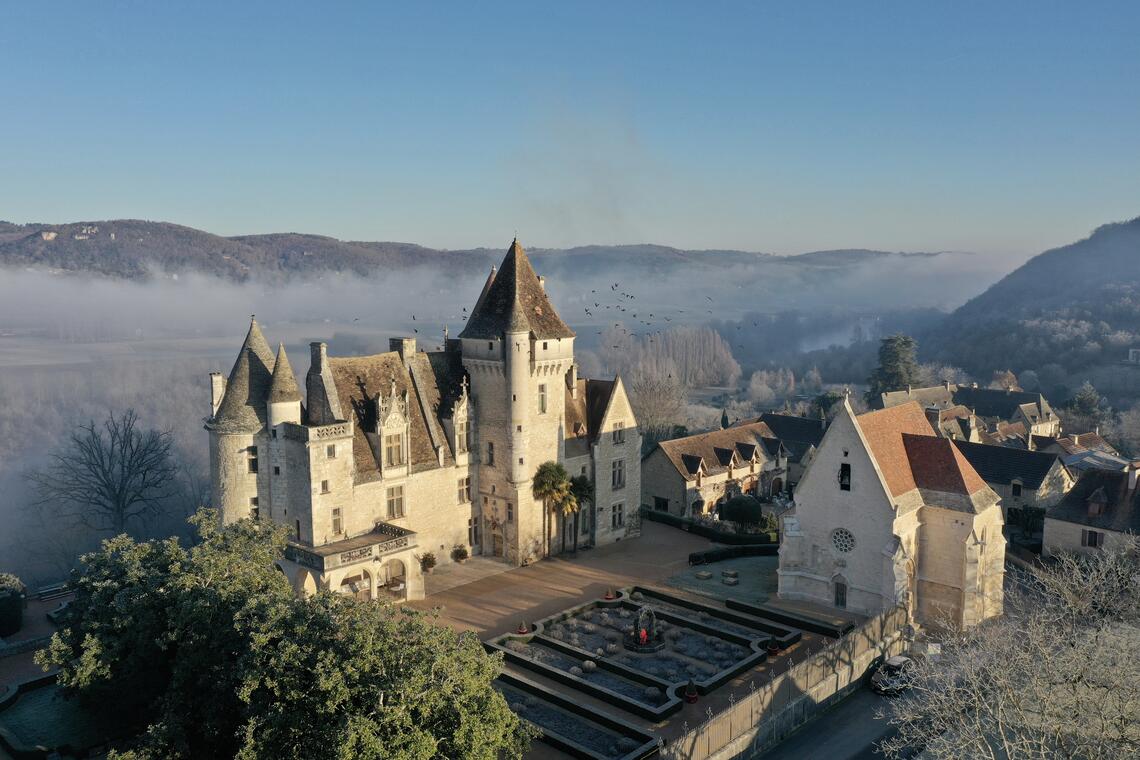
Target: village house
column 1098, row 512
column 1012, row 416
column 799, row 436
column 689, row 476
column 383, row 459
column 890, row 513
column 1023, row 479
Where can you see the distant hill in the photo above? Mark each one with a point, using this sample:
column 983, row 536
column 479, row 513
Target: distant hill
column 134, row 249
column 1072, row 307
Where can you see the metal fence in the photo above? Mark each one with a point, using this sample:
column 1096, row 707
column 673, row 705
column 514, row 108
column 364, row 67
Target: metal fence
column 771, row 709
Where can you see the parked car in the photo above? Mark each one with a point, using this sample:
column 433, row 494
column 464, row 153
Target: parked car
column 893, row 676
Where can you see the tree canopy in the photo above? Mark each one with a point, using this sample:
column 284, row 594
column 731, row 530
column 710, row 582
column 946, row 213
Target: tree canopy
column 211, row 650
column 1055, row 677
column 898, row 366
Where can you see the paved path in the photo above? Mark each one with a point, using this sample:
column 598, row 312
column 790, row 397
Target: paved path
column 847, row 731
column 495, row 604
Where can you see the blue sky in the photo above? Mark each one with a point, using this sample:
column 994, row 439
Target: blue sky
column 1003, row 128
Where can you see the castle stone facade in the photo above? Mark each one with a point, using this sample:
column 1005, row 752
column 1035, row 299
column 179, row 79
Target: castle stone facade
column 385, row 458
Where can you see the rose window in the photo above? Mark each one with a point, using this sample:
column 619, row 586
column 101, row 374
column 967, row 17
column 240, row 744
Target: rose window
column 842, row 540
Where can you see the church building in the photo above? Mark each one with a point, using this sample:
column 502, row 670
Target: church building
column 383, row 459
column 888, row 513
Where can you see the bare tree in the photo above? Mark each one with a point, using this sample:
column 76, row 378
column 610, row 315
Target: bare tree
column 106, row 476
column 1056, row 677
column 657, row 394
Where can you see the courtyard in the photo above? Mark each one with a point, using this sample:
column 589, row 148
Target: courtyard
column 569, row 670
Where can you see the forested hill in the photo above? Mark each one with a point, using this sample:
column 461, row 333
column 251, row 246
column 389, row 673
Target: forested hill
column 134, row 249
column 1074, row 306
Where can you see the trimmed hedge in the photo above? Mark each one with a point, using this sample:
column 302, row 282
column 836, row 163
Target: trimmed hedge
column 732, row 552
column 705, row 531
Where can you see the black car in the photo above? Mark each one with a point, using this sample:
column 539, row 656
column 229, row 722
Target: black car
column 893, row 676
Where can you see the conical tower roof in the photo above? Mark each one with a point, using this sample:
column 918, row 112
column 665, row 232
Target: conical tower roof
column 283, row 387
column 247, row 389
column 255, row 341
column 515, row 302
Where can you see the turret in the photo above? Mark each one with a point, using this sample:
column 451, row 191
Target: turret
column 237, row 428
column 284, row 396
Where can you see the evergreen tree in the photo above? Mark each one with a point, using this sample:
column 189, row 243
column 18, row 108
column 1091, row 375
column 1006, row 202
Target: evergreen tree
column 209, row 652
column 898, row 366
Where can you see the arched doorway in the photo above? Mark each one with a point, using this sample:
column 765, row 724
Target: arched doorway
column 839, row 591
column 777, row 486
column 306, row 583
column 358, row 585
column 395, row 578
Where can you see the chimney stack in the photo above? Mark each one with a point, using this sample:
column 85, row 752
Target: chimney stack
column 572, row 380
column 542, row 283
column 405, row 347
column 217, row 391
column 318, row 356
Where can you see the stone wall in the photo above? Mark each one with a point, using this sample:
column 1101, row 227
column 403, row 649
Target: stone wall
column 766, row 714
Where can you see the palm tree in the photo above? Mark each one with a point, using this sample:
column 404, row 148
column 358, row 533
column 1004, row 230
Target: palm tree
column 552, row 485
column 582, row 488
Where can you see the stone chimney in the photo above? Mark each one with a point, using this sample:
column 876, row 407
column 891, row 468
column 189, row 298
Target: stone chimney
column 405, row 347
column 572, row 380
column 217, row 391
column 542, row 283
column 323, row 403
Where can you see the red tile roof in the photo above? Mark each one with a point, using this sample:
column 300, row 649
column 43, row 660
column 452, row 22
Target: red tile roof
column 910, row 455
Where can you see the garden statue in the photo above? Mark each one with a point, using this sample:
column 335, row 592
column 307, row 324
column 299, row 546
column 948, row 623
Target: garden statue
column 644, row 636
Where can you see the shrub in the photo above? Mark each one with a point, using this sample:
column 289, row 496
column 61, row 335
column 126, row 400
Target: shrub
column 589, row 666
column 459, row 552
column 612, row 648
column 576, row 671
column 9, row 582
column 427, row 561
column 652, row 692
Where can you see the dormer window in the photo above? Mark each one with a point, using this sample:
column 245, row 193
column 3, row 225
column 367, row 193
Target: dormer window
column 461, row 442
column 845, row 477
column 619, row 432
column 490, row 346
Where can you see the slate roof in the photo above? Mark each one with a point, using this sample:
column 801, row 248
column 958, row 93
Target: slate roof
column 715, row 448
column 911, row 456
column 283, row 386
column 515, row 302
column 797, row 434
column 584, row 414
column 1075, row 443
column 1001, row 464
column 359, row 379
column 995, row 402
column 936, row 395
column 242, row 409
column 1121, row 513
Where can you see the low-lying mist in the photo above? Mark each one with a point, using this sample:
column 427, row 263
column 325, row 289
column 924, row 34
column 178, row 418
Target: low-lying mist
column 74, row 348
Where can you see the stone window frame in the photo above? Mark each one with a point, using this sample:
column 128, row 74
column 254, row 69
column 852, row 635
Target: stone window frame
column 394, row 498
column 396, row 447
column 463, row 490
column 617, row 474
column 337, row 521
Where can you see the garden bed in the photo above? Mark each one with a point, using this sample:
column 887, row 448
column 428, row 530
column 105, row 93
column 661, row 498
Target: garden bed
column 573, row 728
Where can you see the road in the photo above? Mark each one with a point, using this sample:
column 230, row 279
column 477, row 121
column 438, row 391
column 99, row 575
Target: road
column 847, row 731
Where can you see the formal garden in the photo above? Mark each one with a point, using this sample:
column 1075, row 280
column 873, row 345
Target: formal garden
column 644, row 651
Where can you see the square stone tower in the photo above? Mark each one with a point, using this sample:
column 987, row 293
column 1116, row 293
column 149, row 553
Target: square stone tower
column 517, row 351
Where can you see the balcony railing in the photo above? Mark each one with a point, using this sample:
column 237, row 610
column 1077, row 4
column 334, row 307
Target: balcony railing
column 383, row 539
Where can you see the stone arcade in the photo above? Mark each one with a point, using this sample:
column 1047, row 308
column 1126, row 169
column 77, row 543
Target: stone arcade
column 387, row 457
